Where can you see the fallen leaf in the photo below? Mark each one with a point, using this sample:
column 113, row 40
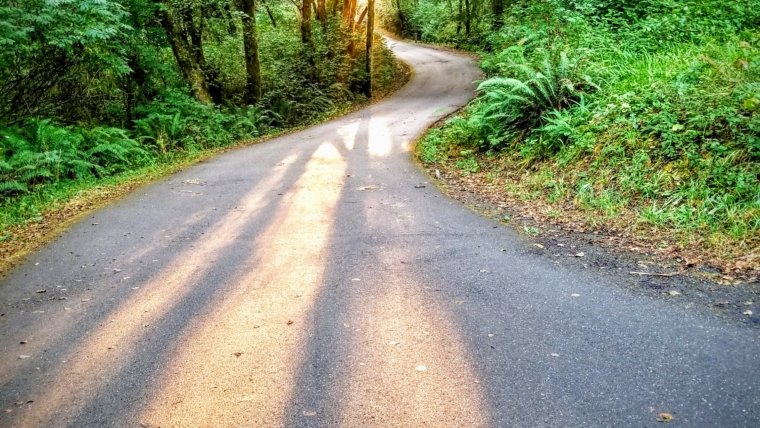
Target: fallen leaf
column 539, row 246
column 421, row 368
column 554, row 354
column 41, row 291
column 247, row 398
column 664, row 417
column 673, row 293
column 575, row 295
column 419, row 186
column 23, row 357
column 747, row 312
column 237, row 354
column 290, row 322
column 579, row 254
column 23, row 342
column 309, row 413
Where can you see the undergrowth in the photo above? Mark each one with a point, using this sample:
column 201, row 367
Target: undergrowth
column 628, row 115
column 44, row 162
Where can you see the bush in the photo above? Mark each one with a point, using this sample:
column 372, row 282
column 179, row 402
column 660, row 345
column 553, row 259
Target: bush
column 512, row 107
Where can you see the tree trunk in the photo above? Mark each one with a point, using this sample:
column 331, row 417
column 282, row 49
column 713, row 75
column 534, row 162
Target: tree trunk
column 306, row 23
column 349, row 11
column 269, row 13
column 251, row 46
column 497, row 7
column 361, row 17
column 467, row 17
column 185, row 57
column 194, row 29
column 322, row 13
column 306, row 41
column 459, row 17
column 370, row 38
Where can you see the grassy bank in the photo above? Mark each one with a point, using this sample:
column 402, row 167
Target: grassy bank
column 640, row 123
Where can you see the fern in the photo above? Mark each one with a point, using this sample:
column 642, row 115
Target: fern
column 12, row 188
column 513, row 107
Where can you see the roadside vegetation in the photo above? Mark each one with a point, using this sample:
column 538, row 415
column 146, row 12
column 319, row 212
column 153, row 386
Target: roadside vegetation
column 100, row 92
column 639, row 118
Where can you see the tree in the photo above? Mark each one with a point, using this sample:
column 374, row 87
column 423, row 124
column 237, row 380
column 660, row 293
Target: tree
column 251, row 46
column 497, row 7
column 184, row 53
column 368, row 51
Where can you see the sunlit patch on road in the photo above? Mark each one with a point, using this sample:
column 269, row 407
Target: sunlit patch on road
column 235, row 366
column 113, row 344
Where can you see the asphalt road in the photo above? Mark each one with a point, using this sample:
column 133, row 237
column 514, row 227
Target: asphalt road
column 318, row 279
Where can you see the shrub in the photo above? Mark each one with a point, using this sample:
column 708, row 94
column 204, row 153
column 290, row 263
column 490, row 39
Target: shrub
column 511, row 107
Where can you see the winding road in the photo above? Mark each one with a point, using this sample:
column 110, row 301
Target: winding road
column 318, row 279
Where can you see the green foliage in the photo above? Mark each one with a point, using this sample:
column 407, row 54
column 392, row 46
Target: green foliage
column 670, row 125
column 513, row 106
column 46, row 44
column 177, row 122
column 42, row 152
column 91, row 89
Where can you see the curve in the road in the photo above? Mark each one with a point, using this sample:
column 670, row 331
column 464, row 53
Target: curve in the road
column 319, row 280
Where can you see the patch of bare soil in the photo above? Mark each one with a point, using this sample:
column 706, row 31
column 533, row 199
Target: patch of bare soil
column 692, row 278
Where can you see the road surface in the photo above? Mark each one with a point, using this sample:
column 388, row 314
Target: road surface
column 318, row 279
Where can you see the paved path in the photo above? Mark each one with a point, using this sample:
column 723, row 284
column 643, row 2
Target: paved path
column 313, row 281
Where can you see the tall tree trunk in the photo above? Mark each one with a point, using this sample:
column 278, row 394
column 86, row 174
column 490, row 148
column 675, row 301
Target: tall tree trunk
column 306, row 42
column 459, row 17
column 467, row 17
column 185, row 57
column 368, row 51
column 349, row 13
column 269, row 12
column 497, row 7
column 322, row 13
column 194, row 29
column 251, row 46
column 306, row 23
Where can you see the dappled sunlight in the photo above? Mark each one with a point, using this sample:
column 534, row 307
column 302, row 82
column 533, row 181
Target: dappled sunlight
column 348, row 133
column 380, row 142
column 411, row 368
column 236, row 366
column 111, row 345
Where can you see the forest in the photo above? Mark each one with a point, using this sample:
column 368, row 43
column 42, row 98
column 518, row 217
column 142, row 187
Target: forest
column 96, row 89
column 640, row 117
